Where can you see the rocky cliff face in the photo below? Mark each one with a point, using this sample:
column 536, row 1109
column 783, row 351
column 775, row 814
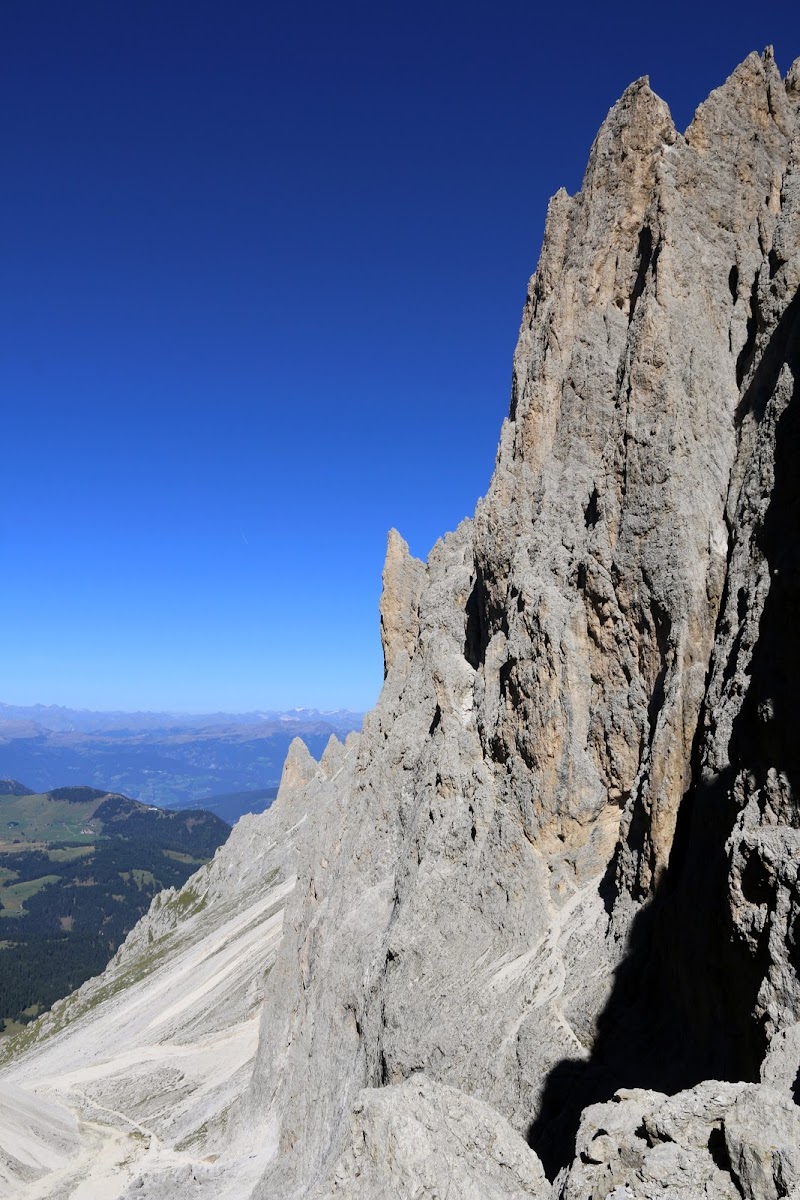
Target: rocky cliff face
column 562, row 858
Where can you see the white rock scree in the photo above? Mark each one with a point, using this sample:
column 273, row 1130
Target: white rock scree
column 536, row 930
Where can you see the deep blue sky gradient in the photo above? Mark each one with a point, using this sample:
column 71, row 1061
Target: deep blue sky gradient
column 262, row 273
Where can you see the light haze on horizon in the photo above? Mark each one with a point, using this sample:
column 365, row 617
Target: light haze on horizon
column 263, row 273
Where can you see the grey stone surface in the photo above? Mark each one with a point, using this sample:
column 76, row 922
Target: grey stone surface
column 403, row 577
column 762, row 1138
column 518, row 786
column 718, row 1140
column 781, row 1065
column 421, row 1138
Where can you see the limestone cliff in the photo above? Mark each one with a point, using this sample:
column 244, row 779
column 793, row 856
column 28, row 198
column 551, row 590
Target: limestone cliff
column 561, row 859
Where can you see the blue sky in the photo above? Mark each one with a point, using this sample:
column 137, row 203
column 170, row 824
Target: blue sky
column 263, row 267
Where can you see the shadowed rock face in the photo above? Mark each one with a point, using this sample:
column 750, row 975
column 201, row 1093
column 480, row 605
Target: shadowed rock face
column 561, row 860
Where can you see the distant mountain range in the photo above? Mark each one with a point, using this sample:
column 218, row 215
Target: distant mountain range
column 174, row 760
column 58, row 719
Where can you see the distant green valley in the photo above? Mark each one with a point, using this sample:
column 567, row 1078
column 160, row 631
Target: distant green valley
column 78, row 867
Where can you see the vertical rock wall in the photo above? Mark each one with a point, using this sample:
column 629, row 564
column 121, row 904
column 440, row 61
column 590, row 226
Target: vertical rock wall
column 571, row 820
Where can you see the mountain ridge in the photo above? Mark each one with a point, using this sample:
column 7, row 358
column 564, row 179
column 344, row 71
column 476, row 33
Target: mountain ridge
column 57, row 718
column 543, row 911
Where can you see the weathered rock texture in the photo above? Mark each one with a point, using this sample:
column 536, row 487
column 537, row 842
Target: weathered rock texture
column 562, row 858
column 723, row 1141
column 420, row 1138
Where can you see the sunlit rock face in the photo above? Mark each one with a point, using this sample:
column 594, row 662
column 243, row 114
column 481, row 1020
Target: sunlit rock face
column 561, row 858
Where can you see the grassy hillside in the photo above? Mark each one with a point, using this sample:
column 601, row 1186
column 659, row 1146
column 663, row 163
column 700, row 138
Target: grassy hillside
column 78, row 867
column 45, row 817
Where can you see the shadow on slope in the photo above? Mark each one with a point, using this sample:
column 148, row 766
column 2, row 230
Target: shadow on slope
column 684, row 996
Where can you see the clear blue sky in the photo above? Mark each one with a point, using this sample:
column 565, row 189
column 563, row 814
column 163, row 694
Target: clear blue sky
column 262, row 271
